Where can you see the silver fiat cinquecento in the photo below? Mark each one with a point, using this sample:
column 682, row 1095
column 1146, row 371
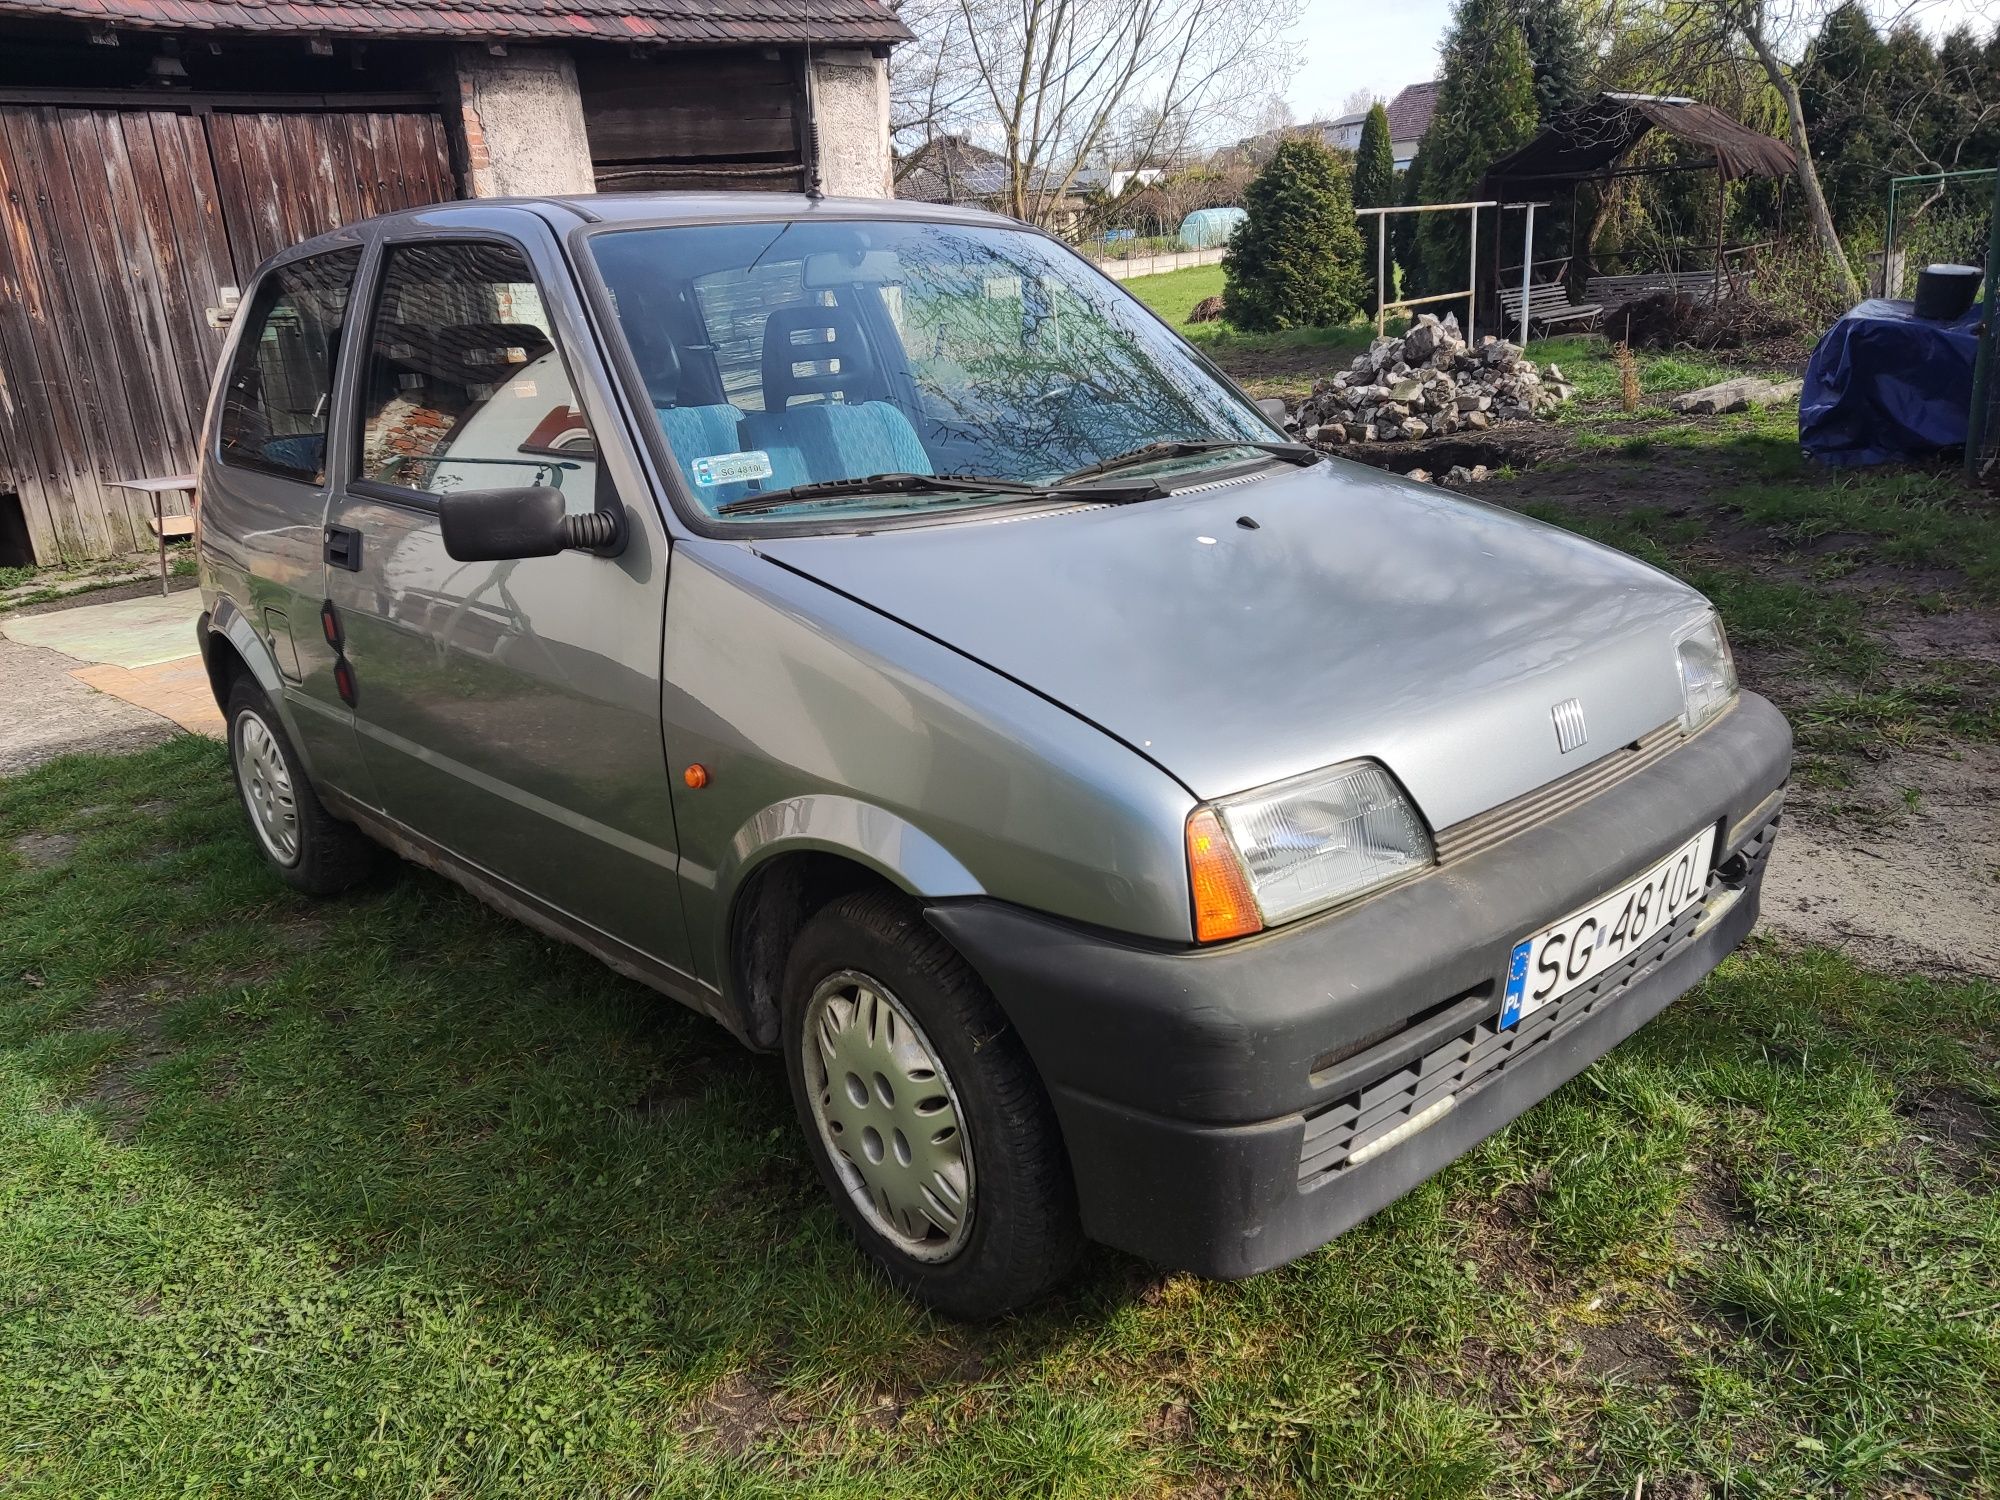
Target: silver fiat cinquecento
column 870, row 626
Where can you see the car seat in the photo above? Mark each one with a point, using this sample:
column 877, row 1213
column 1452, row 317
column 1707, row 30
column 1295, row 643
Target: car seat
column 693, row 432
column 845, row 430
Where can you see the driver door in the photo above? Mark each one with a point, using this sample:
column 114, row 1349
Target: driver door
column 508, row 712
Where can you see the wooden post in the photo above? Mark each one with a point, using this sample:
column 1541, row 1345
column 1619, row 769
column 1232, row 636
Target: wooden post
column 1721, row 230
column 160, row 528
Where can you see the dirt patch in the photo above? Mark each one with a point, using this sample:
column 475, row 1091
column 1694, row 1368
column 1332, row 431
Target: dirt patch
column 138, row 588
column 1919, row 894
column 139, row 1012
column 737, row 1413
column 43, row 850
column 1627, row 1353
column 1954, row 1127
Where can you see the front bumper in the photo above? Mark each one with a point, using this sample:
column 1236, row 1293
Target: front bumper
column 1228, row 1109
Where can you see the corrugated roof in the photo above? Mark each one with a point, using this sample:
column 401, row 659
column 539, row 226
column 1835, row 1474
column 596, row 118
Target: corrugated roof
column 697, row 22
column 1598, row 134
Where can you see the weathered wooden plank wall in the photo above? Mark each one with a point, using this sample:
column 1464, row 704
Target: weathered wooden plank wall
column 118, row 228
column 728, row 120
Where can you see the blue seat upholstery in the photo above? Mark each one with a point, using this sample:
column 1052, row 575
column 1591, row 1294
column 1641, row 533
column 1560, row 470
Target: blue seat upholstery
column 703, row 432
column 306, row 452
column 831, row 440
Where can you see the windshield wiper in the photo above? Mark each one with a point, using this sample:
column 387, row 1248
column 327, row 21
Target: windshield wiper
column 922, row 484
column 1291, row 453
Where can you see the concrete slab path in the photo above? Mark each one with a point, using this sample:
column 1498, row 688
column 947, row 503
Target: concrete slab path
column 101, row 678
column 129, row 633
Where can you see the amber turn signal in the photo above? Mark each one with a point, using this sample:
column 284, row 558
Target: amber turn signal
column 1223, row 905
column 696, row 776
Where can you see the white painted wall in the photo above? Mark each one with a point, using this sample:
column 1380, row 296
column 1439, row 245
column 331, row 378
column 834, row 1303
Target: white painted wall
column 521, row 123
column 851, row 97
column 1153, row 265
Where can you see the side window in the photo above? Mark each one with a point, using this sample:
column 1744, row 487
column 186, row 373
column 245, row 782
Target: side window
column 463, row 387
column 275, row 405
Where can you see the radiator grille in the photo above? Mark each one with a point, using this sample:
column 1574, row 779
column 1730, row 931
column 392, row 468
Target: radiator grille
column 1481, row 832
column 1472, row 1057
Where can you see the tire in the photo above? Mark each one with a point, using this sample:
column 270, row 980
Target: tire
column 1017, row 1235
column 304, row 844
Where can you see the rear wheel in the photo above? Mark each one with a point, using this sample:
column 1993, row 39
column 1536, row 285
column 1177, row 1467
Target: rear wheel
column 304, row 844
column 927, row 1121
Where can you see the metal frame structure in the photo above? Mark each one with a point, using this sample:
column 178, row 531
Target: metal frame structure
column 1897, row 183
column 1470, row 293
column 1984, row 431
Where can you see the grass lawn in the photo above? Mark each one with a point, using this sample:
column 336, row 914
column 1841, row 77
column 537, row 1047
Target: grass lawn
column 1266, row 364
column 388, row 1195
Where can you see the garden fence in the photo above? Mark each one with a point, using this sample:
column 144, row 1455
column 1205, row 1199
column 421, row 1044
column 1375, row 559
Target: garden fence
column 1982, row 448
column 1936, row 217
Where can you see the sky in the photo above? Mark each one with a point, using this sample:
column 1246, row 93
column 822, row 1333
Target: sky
column 1345, row 45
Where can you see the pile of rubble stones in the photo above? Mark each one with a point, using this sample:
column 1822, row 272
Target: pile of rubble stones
column 1426, row 383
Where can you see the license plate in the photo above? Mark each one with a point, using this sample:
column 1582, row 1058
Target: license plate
column 1584, row 944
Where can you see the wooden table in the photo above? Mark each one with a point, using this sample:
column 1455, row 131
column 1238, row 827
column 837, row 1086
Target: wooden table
column 164, row 525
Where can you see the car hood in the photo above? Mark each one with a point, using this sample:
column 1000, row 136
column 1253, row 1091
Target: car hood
column 1259, row 627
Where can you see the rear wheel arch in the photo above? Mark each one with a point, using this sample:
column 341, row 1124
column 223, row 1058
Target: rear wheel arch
column 224, row 664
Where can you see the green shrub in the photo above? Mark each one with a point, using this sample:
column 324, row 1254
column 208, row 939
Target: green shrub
column 1295, row 262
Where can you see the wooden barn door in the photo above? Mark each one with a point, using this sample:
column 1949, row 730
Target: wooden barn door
column 286, row 176
column 111, row 251
column 118, row 229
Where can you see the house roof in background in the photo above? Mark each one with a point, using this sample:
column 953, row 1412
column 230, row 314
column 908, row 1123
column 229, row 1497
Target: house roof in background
column 692, row 22
column 950, row 169
column 1410, row 111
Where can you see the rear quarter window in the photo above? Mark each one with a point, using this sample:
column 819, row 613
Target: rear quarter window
column 279, row 395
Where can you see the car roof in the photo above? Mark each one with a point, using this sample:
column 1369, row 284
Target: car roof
column 639, row 209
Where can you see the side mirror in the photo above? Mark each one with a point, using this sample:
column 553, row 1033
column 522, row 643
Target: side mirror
column 499, row 525
column 1274, row 409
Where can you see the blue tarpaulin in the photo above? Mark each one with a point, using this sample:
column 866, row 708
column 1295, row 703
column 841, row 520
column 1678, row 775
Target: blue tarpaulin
column 1885, row 386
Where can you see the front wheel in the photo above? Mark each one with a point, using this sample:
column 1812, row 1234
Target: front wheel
column 923, row 1113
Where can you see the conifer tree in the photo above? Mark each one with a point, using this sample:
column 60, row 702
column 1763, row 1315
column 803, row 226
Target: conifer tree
column 1374, row 187
column 1485, row 109
column 1295, row 261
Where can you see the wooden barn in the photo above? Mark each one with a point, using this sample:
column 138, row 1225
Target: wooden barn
column 152, row 152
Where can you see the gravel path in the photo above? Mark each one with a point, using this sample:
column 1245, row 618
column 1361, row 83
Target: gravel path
column 45, row 712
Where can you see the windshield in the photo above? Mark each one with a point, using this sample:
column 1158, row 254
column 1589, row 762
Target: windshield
column 791, row 354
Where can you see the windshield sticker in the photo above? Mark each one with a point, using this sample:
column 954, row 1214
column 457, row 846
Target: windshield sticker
column 732, row 468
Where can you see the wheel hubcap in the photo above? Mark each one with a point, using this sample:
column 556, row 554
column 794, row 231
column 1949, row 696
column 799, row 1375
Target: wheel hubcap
column 887, row 1113
column 266, row 784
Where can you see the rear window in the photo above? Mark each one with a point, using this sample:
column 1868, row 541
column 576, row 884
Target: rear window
column 280, row 388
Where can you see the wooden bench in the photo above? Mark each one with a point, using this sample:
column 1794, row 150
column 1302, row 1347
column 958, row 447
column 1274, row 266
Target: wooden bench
column 1618, row 291
column 1548, row 306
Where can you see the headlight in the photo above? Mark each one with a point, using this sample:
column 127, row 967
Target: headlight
column 1267, row 856
column 1708, row 672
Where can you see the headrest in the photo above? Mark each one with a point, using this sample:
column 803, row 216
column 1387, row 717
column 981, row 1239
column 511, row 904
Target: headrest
column 658, row 360
column 465, row 353
column 802, row 344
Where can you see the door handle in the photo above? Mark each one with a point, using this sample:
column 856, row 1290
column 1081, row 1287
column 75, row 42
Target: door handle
column 343, row 548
